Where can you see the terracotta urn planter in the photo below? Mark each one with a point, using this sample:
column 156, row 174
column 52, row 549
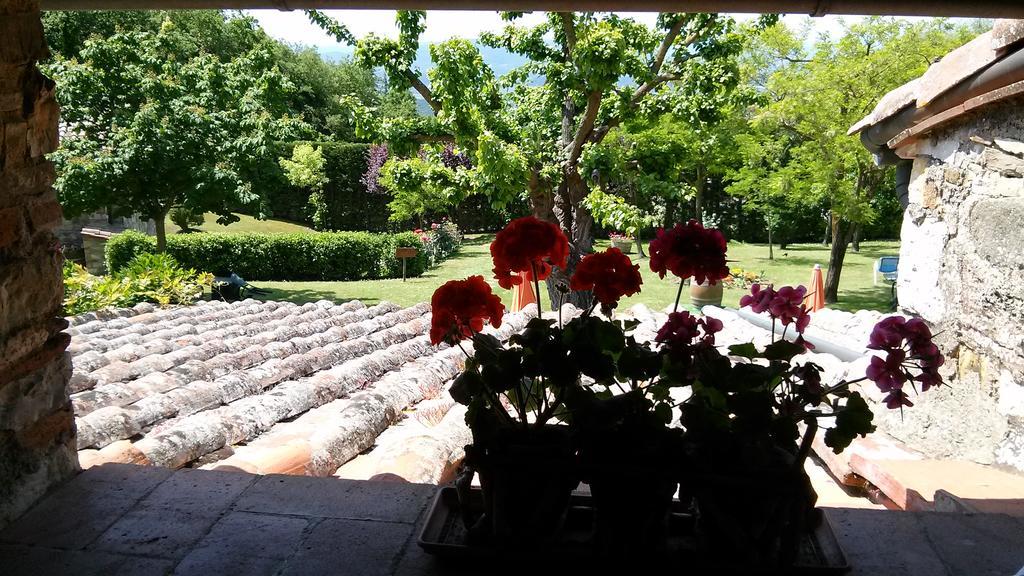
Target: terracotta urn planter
column 623, row 244
column 705, row 294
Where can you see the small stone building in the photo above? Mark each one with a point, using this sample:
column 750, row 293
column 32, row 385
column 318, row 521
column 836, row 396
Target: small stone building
column 956, row 135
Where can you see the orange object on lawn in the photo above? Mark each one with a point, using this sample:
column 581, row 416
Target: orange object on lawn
column 815, row 299
column 522, row 294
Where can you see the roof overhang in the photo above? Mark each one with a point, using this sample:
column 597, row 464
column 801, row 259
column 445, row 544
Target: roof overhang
column 964, row 8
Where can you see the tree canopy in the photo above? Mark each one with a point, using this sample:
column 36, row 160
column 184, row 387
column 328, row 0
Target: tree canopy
column 796, row 150
column 151, row 122
column 586, row 74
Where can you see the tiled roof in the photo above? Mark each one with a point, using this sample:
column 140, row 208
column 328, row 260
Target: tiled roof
column 194, row 385
column 275, row 387
column 942, row 91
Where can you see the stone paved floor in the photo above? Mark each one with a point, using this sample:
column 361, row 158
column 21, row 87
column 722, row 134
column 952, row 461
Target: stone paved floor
column 133, row 520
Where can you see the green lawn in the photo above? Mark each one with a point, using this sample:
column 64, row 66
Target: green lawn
column 245, row 224
column 791, row 266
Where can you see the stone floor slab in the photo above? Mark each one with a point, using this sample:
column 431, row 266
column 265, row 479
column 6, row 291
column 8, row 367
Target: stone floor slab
column 198, row 491
column 81, row 510
column 35, row 561
column 350, row 548
column 886, row 542
column 166, row 534
column 244, row 534
column 210, row 562
column 980, row 545
column 336, row 498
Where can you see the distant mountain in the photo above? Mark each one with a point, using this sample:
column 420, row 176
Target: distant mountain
column 501, row 61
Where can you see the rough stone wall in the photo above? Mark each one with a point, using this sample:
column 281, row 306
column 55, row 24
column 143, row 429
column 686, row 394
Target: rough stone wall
column 70, row 231
column 37, row 447
column 962, row 270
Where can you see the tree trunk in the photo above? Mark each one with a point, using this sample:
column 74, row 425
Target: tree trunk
column 578, row 225
column 670, row 214
column 771, row 252
column 698, row 196
column 828, row 229
column 857, row 229
column 542, row 201
column 161, row 231
column 841, row 231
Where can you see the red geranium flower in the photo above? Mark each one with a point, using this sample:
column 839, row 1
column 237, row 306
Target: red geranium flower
column 610, row 274
column 459, row 307
column 525, row 244
column 690, row 250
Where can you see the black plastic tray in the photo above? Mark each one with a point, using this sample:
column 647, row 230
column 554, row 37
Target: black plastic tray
column 444, row 535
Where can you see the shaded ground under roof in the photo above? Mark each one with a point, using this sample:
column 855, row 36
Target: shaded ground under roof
column 121, row 520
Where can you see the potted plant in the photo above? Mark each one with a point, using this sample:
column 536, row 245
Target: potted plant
column 623, row 242
column 745, row 451
column 515, row 393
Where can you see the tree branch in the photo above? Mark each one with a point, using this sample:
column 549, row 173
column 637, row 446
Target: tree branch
column 569, row 27
column 586, row 125
column 423, row 90
column 658, row 78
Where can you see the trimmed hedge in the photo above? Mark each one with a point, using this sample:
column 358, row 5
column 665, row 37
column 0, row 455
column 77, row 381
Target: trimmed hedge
column 317, row 256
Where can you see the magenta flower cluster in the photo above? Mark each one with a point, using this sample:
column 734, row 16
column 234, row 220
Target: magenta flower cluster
column 785, row 305
column 910, row 357
column 683, row 329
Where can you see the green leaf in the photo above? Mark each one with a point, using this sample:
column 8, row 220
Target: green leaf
column 745, row 350
column 852, row 420
column 783, row 350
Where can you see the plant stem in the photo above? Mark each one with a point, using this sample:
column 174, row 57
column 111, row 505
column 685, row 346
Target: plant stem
column 679, row 294
column 844, row 384
column 536, row 285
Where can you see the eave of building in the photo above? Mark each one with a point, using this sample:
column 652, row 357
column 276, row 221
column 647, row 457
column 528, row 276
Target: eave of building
column 904, row 142
column 949, row 8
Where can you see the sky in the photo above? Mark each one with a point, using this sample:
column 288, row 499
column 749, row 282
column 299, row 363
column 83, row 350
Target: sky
column 295, row 28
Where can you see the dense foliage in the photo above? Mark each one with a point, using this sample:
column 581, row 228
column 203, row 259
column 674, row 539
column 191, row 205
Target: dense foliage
column 350, row 206
column 152, row 122
column 525, row 139
column 155, row 278
column 795, row 151
column 305, row 169
column 319, row 256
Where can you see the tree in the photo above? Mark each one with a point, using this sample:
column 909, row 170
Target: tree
column 798, row 147
column 153, row 122
column 598, row 71
column 305, row 169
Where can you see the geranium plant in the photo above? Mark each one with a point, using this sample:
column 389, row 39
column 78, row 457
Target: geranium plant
column 586, row 399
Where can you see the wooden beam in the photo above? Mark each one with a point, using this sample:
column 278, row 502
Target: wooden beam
column 975, row 8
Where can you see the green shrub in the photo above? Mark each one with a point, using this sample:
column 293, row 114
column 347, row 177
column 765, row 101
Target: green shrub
column 319, row 256
column 440, row 241
column 156, row 278
column 186, row 219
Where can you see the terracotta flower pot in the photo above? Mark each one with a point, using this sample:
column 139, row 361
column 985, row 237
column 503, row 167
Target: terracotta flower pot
column 623, row 244
column 705, row 294
column 632, row 485
column 755, row 517
column 526, row 477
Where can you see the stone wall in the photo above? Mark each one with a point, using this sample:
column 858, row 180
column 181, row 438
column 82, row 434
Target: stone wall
column 70, row 231
column 962, row 270
column 36, row 423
